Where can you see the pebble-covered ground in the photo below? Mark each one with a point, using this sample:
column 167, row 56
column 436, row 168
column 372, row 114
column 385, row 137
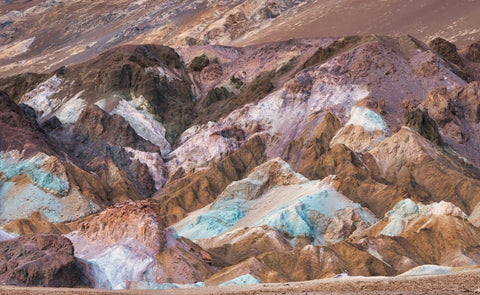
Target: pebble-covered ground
column 465, row 282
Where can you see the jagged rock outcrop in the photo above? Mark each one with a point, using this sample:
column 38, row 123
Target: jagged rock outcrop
column 18, row 85
column 426, row 171
column 456, row 113
column 19, row 132
column 40, row 260
column 128, row 244
column 413, row 234
column 447, row 50
column 423, row 124
column 96, row 126
column 37, row 177
column 473, row 52
column 100, row 139
column 198, row 189
column 303, row 152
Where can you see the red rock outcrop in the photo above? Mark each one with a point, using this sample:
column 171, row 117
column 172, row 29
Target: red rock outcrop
column 129, row 243
column 39, row 260
column 19, row 132
column 96, row 126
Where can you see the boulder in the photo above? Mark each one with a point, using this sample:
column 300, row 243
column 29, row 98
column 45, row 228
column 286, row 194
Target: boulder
column 44, row 260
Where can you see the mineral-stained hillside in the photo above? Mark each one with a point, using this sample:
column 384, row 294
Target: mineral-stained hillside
column 42, row 35
column 211, row 165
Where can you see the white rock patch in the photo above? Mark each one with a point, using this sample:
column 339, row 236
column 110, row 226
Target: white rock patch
column 368, row 119
column 143, row 124
column 278, row 114
column 39, row 98
column 113, row 265
column 16, row 48
column 154, row 163
column 71, row 110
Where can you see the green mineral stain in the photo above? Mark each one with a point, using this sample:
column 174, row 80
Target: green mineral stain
column 33, row 168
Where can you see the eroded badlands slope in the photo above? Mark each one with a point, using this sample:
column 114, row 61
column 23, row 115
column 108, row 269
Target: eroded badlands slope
column 279, row 162
column 40, row 36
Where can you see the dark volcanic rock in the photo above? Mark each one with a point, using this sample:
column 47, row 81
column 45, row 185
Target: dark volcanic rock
column 51, row 124
column 447, row 50
column 421, row 122
column 16, row 86
column 129, row 71
column 19, row 130
column 473, row 52
column 96, row 125
column 100, row 146
column 39, row 260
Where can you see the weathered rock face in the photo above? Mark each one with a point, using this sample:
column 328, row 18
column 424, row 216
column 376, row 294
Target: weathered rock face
column 18, row 85
column 457, row 115
column 19, row 132
column 198, row 189
column 103, row 145
column 238, row 245
column 447, row 50
column 421, row 122
column 427, row 171
column 128, row 244
column 473, row 52
column 446, row 236
column 37, row 177
column 308, row 263
column 40, row 260
column 303, row 152
column 97, row 126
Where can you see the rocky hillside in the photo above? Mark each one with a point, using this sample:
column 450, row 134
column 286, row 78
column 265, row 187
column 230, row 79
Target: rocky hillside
column 42, row 35
column 125, row 164
column 214, row 165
